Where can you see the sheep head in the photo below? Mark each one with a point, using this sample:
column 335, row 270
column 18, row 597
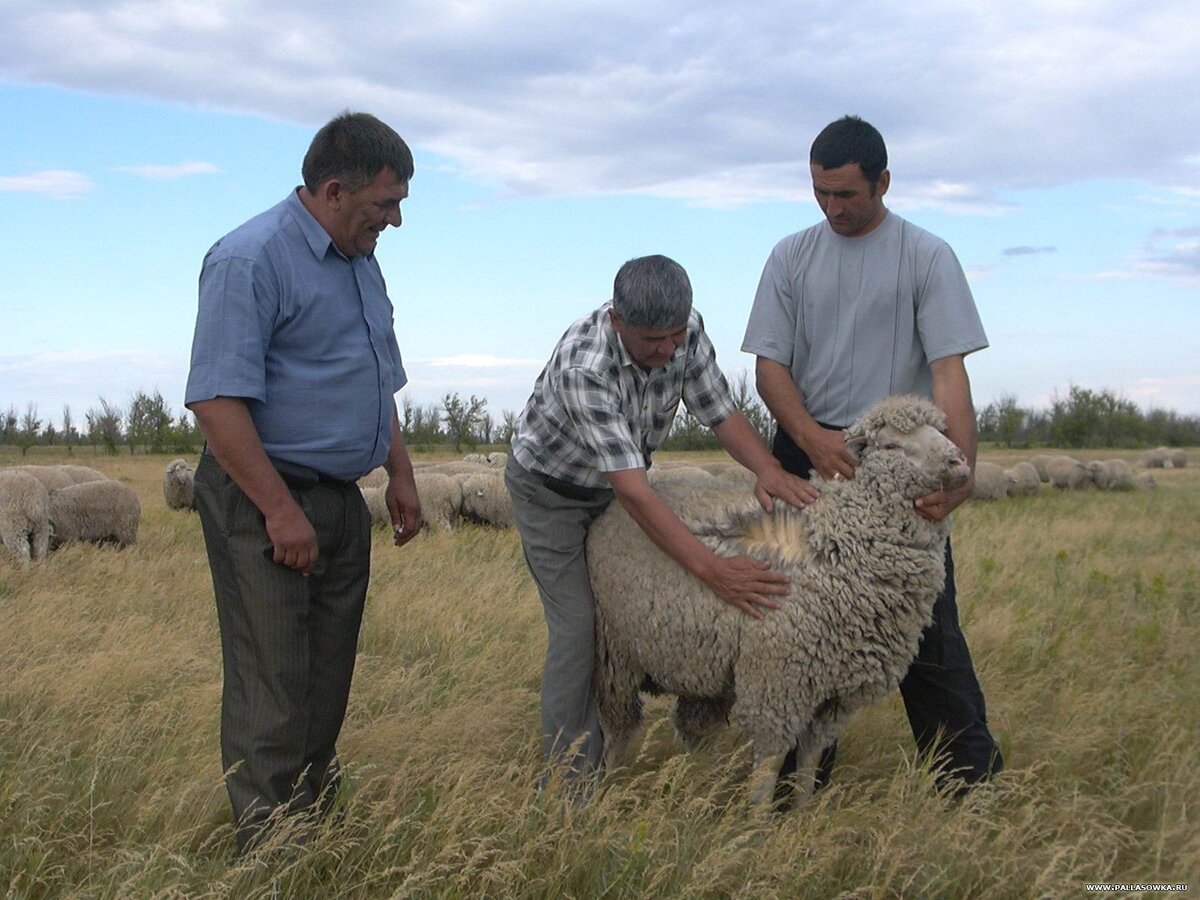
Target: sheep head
column 904, row 435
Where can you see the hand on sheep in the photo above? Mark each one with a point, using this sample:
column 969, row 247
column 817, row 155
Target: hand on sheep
column 778, row 483
column 939, row 504
column 293, row 540
column 830, row 456
column 746, row 583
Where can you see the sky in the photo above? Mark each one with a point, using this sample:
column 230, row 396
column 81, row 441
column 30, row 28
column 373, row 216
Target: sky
column 1055, row 146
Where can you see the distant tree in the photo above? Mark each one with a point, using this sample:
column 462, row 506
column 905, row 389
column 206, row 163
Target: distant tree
column 747, row 400
column 487, row 424
column 462, row 418
column 9, row 421
column 104, row 426
column 507, row 427
column 148, row 422
column 1004, row 422
column 31, row 425
column 49, row 435
column 419, row 424
column 688, row 434
column 70, row 434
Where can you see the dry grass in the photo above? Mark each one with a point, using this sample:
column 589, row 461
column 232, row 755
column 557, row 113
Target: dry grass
column 1083, row 612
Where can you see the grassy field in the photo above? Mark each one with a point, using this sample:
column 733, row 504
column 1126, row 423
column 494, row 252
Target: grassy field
column 1082, row 610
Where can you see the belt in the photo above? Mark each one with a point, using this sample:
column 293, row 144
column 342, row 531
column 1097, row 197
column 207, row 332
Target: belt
column 296, row 476
column 568, row 490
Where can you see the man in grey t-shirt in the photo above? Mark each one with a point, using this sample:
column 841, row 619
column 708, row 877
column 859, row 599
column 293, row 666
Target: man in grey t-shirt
column 862, row 306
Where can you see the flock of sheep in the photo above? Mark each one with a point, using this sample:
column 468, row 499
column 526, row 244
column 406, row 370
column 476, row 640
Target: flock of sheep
column 43, row 507
column 992, row 482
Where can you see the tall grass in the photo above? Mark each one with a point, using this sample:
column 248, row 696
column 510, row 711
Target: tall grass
column 1082, row 610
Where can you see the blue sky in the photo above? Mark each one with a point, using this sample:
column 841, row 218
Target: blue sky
column 1055, row 146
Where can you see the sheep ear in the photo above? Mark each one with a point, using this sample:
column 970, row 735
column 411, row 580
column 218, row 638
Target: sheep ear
column 856, row 444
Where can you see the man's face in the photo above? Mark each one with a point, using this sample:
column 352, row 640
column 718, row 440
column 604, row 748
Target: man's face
column 650, row 348
column 852, row 205
column 362, row 215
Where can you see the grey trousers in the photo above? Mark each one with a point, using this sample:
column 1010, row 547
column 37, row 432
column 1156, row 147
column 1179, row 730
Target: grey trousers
column 553, row 529
column 288, row 643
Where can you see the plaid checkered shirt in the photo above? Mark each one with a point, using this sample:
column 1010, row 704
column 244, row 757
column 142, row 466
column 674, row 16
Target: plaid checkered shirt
column 594, row 410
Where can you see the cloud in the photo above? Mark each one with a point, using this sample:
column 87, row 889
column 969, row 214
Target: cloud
column 1171, row 254
column 701, row 100
column 56, row 183
column 167, row 173
column 1028, row 251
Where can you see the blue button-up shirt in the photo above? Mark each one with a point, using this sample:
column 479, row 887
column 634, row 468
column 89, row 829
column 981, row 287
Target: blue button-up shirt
column 305, row 336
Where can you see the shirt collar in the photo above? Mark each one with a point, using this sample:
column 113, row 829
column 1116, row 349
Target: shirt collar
column 315, row 235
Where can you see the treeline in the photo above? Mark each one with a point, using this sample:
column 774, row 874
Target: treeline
column 147, row 424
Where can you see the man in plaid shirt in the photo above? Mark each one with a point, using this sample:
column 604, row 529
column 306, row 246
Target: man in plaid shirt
column 600, row 408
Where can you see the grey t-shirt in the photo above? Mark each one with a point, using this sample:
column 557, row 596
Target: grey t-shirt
column 857, row 319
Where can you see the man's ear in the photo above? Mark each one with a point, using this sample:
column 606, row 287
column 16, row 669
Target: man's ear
column 332, row 192
column 856, row 444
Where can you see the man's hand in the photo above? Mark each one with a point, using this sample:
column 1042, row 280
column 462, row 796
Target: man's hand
column 404, row 507
column 830, row 456
column 749, row 584
column 775, row 482
column 293, row 540
column 939, row 504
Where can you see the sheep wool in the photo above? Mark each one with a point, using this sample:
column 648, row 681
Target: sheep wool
column 865, row 571
column 485, row 499
column 179, row 491
column 1068, row 472
column 1023, row 480
column 97, row 511
column 24, row 516
column 57, row 477
column 990, row 482
column 1112, row 474
column 441, row 498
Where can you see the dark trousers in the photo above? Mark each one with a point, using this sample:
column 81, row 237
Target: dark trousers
column 288, row 643
column 941, row 692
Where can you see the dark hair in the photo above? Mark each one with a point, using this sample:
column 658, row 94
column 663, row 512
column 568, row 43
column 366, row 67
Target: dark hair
column 354, row 148
column 850, row 140
column 652, row 292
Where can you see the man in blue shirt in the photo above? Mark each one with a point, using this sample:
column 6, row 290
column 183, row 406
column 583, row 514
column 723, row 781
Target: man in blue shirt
column 294, row 370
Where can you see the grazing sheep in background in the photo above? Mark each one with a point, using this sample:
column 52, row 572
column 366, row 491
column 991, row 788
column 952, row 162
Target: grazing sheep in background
column 990, row 482
column 375, row 478
column 377, row 505
column 485, row 499
column 441, row 498
column 1068, row 472
column 1112, row 474
column 1154, row 459
column 461, row 468
column 178, row 485
column 1176, row 458
column 96, row 511
column 497, row 460
column 1023, row 480
column 659, row 474
column 865, row 571
column 55, row 477
column 477, row 458
column 24, row 516
column 1039, row 462
column 1145, row 481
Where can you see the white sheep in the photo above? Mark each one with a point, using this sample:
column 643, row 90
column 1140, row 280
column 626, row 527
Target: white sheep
column 97, row 511
column 179, row 490
column 1155, row 459
column 61, row 476
column 1039, row 462
column 1068, row 472
column 990, row 482
column 1023, row 480
column 461, row 467
column 1177, row 458
column 441, row 498
column 1111, row 474
column 24, row 516
column 477, row 458
column 865, row 571
column 659, row 474
column 485, row 499
column 497, row 460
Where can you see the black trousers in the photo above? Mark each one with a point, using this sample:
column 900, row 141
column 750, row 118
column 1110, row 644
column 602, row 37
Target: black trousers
column 941, row 692
column 288, row 642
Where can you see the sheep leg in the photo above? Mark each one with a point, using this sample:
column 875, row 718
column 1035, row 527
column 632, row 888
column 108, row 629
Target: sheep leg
column 808, row 757
column 619, row 746
column 695, row 718
column 763, row 778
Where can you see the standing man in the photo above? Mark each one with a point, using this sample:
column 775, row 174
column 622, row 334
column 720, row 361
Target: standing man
column 294, row 368
column 860, row 307
column 600, row 408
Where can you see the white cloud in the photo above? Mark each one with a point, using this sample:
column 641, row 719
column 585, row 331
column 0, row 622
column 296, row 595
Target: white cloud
column 167, row 173
column 703, row 100
column 56, row 183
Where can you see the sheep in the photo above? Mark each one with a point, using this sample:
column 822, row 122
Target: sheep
column 1068, row 472
column 497, row 460
column 95, row 511
column 738, row 475
column 479, row 458
column 375, row 478
column 1177, row 458
column 865, row 571
column 1145, row 481
column 659, row 474
column 990, row 482
column 461, row 468
column 61, row 476
column 441, row 498
column 1023, row 480
column 1155, row 459
column 24, row 516
column 1111, row 474
column 485, row 499
column 1039, row 462
column 178, row 485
